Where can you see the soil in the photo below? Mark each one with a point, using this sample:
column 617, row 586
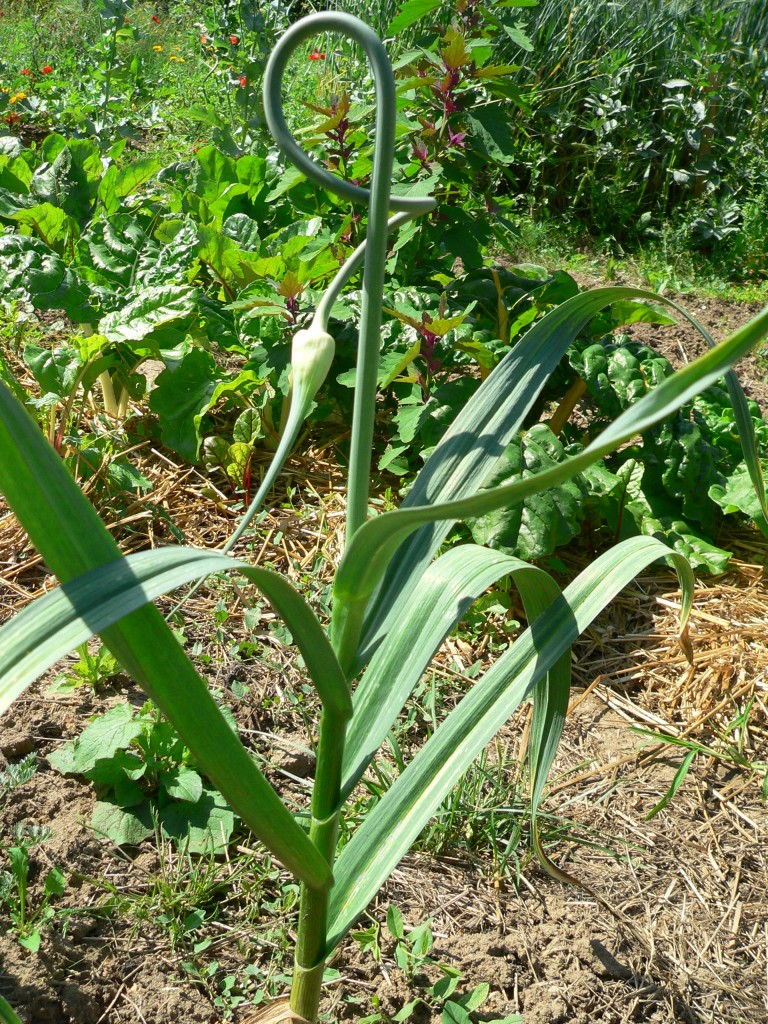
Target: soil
column 669, row 922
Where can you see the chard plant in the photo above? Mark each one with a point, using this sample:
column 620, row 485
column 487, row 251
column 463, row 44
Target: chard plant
column 394, row 598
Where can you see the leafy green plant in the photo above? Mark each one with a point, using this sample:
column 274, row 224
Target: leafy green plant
column 412, row 953
column 95, row 670
column 143, row 772
column 393, row 602
column 26, row 920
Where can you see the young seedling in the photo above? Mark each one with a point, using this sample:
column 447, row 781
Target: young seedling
column 393, row 601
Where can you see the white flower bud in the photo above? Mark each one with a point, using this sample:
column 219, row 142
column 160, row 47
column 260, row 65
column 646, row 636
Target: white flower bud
column 312, row 352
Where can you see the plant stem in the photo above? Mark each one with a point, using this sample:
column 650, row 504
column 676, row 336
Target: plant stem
column 311, row 946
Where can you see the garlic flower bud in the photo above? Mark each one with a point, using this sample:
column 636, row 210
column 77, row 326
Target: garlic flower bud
column 312, row 352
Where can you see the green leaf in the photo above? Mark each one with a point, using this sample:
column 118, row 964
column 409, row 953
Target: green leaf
column 72, row 540
column 204, row 826
column 737, row 494
column 543, row 522
column 182, row 783
column 489, row 415
column 677, row 782
column 55, row 882
column 153, row 308
column 125, row 827
column 392, row 826
column 55, row 370
column 47, row 221
column 101, row 739
column 395, row 922
column 519, row 38
column 411, row 12
column 420, row 623
column 31, row 941
column 181, row 398
column 453, row 1013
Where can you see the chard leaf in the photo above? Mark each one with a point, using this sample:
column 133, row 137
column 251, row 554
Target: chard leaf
column 737, row 494
column 152, row 308
column 543, row 521
column 181, row 398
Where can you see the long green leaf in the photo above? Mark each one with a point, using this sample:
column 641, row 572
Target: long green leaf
column 50, row 627
column 391, row 828
column 366, row 560
column 72, row 539
column 420, row 623
column 459, row 465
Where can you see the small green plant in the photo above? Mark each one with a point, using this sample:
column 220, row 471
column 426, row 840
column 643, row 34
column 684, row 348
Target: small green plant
column 412, row 953
column 95, row 670
column 15, row 775
column 143, row 770
column 27, row 920
column 393, row 601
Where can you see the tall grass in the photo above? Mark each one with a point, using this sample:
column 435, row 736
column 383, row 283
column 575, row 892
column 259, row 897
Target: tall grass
column 641, row 106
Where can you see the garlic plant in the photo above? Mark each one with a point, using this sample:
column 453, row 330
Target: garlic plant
column 394, row 601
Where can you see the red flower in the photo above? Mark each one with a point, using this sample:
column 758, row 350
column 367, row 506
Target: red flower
column 315, row 55
column 243, row 81
column 155, row 19
column 26, row 71
column 233, row 40
column 46, row 70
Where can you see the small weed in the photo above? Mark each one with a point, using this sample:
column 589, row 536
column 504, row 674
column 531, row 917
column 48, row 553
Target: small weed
column 27, row 920
column 143, row 771
column 412, row 955
column 96, row 671
column 15, row 775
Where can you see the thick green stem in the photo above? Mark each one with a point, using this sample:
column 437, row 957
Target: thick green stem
column 311, row 945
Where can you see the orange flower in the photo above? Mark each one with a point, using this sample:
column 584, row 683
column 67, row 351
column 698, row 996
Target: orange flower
column 315, row 55
column 46, row 70
column 203, row 39
column 26, row 71
column 234, row 40
column 243, row 81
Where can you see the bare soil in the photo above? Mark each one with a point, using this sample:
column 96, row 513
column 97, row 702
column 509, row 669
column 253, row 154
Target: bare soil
column 670, row 924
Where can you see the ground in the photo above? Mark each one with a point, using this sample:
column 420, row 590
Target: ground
column 669, row 923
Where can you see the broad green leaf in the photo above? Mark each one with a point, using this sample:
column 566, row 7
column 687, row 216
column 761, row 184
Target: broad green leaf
column 184, row 394
column 737, row 494
column 124, row 826
column 112, row 731
column 518, row 37
column 453, row 1013
column 119, row 183
column 200, row 827
column 154, row 307
column 31, row 941
column 182, row 783
column 543, row 522
column 55, row 370
column 411, row 12
column 49, row 222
